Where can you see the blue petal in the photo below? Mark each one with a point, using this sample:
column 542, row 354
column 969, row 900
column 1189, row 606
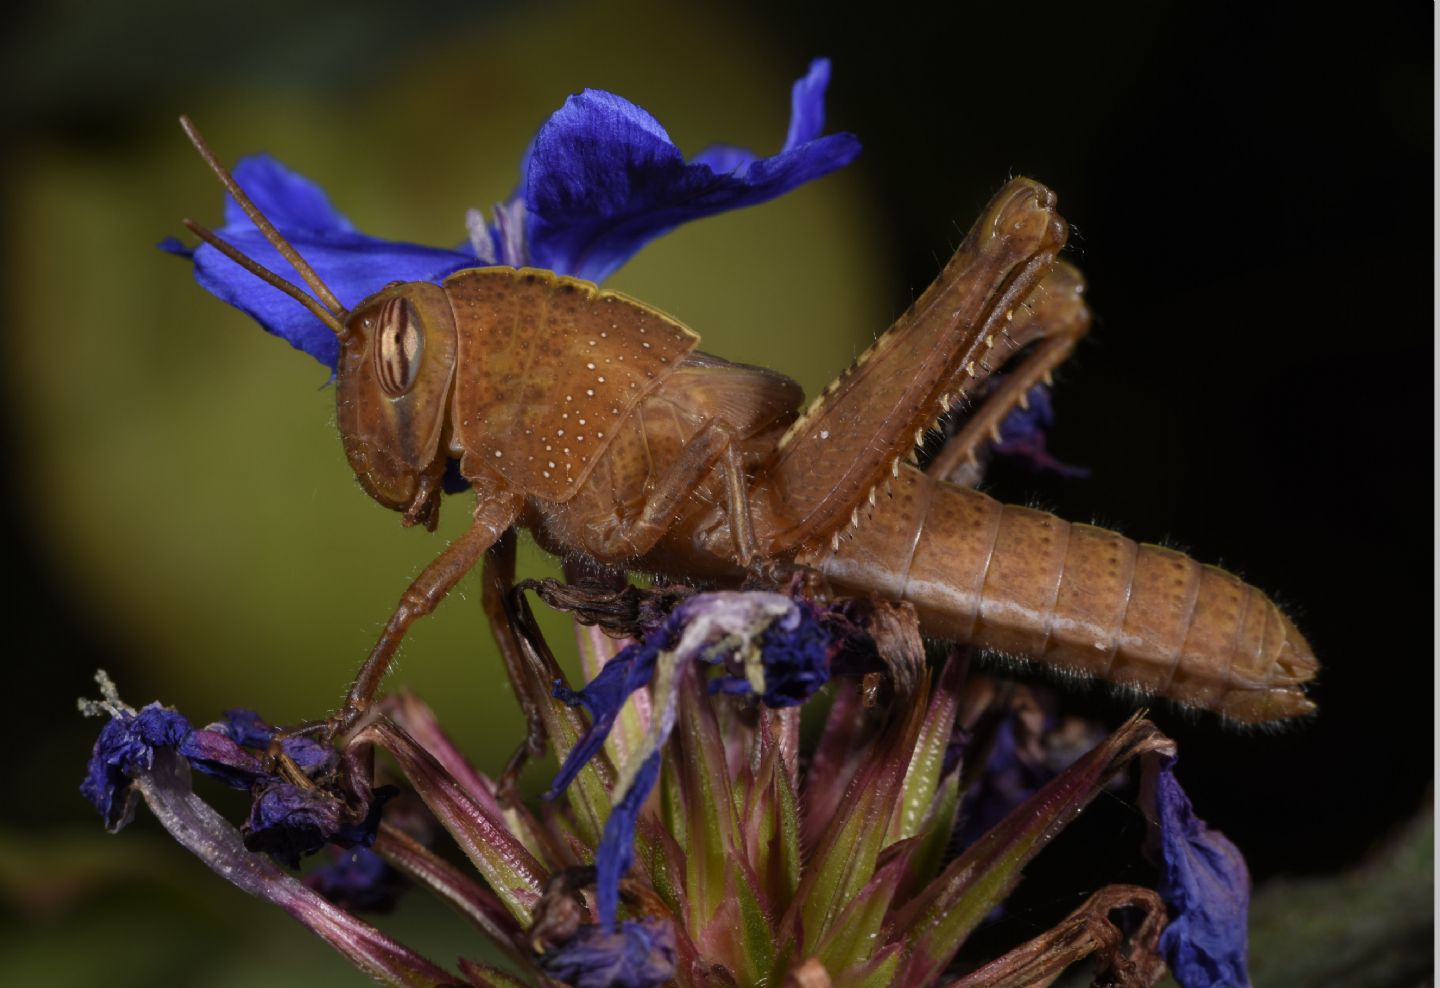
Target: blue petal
column 248, row 729
column 795, row 653
column 807, row 104
column 126, row 744
column 288, row 199
column 604, row 696
column 640, row 954
column 1206, row 888
column 616, row 852
column 216, row 755
column 603, row 178
column 724, row 158
column 353, row 265
column 245, row 728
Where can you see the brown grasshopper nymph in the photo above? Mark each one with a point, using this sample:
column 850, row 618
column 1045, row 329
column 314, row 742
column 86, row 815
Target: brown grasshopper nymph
column 592, row 420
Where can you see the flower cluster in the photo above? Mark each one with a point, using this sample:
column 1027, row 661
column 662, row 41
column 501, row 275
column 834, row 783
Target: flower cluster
column 710, row 846
column 689, row 840
column 296, row 810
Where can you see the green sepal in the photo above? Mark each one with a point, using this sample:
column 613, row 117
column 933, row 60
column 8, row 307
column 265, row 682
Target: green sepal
column 843, row 746
column 843, row 860
column 672, row 804
column 663, row 861
column 770, row 817
column 938, row 920
column 510, row 869
column 923, row 775
column 756, row 928
column 879, row 972
column 707, row 802
column 855, row 935
column 935, row 833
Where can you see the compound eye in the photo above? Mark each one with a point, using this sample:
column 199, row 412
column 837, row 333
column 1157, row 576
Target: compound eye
column 399, row 346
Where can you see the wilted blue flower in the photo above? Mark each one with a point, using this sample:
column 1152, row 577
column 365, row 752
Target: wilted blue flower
column 1022, row 435
column 249, row 729
column 126, row 745
column 601, row 179
column 230, row 750
column 1030, row 746
column 775, row 644
column 215, row 754
column 286, row 820
column 640, row 954
column 794, row 660
column 358, row 879
column 1206, row 887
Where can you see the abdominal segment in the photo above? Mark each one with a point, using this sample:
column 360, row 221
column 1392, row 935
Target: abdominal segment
column 1075, row 597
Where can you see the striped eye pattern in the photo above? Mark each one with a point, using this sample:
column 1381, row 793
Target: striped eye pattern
column 398, row 347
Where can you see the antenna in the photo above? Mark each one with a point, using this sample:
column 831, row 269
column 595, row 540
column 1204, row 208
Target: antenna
column 336, row 310
column 267, row 276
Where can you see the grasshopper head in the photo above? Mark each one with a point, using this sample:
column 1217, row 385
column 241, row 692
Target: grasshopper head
column 397, row 364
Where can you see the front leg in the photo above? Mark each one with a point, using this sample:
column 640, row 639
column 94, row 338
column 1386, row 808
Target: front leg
column 492, row 517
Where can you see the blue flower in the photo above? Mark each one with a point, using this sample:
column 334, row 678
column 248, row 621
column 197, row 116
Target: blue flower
column 601, row 179
column 616, row 851
column 775, row 649
column 1206, row 889
column 126, row 745
column 640, row 954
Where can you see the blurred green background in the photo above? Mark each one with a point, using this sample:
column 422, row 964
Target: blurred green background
column 181, row 512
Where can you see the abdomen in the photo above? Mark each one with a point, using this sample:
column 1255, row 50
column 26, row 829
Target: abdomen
column 1078, row 598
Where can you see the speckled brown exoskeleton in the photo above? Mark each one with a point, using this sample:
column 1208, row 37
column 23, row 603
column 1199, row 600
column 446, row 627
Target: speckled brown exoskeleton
column 592, row 420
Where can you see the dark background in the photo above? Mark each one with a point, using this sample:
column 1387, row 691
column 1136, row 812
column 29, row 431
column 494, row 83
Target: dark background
column 1250, row 193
